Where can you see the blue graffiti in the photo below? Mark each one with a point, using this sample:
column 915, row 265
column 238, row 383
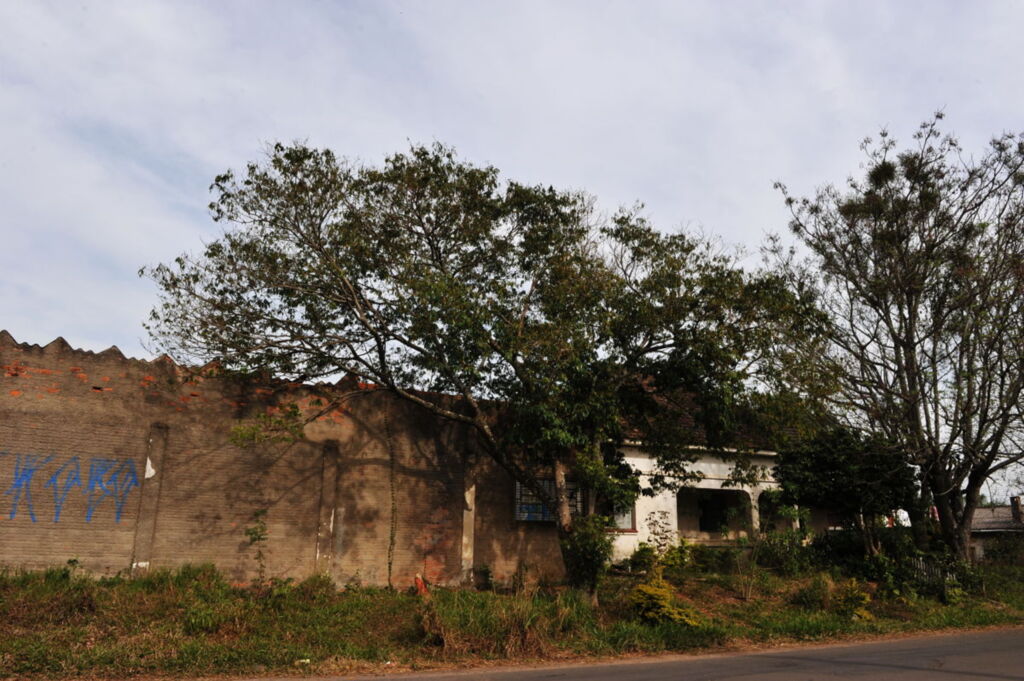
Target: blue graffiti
column 25, row 468
column 110, row 478
column 72, row 477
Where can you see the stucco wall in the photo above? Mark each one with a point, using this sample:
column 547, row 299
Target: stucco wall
column 682, row 517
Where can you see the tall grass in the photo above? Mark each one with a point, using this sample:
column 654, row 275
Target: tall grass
column 191, row 621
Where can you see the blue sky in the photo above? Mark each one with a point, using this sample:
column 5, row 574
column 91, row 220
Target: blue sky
column 115, row 116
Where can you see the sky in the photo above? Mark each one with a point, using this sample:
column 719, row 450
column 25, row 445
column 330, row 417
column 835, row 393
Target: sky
column 116, row 116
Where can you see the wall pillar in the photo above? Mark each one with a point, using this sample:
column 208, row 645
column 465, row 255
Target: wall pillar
column 755, row 511
column 468, row 524
column 149, row 498
column 324, row 558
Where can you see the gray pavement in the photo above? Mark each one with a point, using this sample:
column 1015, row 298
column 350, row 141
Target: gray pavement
column 993, row 654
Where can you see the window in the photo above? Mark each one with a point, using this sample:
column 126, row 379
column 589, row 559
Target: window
column 530, row 508
column 624, row 520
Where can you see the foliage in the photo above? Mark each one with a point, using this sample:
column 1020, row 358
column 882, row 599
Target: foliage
column 652, row 601
column 785, row 552
column 714, row 559
column 190, row 621
column 854, row 476
column 430, row 273
column 662, row 532
column 915, row 270
column 284, row 424
column 489, row 625
column 664, row 552
column 257, row 534
column 643, row 558
column 815, row 595
column 586, row 551
column 1005, row 549
column 675, row 562
column 851, row 599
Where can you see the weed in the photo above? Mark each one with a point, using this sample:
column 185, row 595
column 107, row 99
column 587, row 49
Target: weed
column 816, row 595
column 257, row 535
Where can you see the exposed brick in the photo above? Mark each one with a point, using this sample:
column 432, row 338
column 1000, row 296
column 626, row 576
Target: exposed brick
column 75, row 458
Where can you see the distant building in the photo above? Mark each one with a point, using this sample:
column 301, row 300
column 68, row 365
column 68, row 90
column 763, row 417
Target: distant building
column 996, row 523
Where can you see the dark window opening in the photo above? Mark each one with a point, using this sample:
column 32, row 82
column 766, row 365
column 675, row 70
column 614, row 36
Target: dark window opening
column 530, row 508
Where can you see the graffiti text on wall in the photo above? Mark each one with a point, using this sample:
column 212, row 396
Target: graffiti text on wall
column 105, row 483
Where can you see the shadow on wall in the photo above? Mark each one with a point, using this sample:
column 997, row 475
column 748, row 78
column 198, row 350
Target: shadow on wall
column 400, row 494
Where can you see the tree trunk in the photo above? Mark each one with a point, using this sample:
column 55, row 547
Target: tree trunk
column 564, row 522
column 954, row 527
column 563, row 511
column 866, row 526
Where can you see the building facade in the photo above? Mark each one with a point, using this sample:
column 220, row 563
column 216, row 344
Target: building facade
column 127, row 465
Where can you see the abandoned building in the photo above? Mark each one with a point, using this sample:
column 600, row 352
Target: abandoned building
column 127, row 465
column 993, row 525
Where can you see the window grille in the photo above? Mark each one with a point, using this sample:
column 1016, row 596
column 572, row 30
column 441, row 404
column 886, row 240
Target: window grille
column 530, row 508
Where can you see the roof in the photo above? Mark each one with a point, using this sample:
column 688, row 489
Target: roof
column 995, row 519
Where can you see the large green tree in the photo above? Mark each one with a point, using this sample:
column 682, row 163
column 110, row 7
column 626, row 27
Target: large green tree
column 554, row 326
column 855, row 476
column 917, row 270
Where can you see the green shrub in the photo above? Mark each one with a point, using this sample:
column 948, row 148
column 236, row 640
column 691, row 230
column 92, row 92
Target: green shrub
column 652, row 602
column 316, row 589
column 953, row 594
column 850, row 599
column 586, row 552
column 711, row 559
column 1006, row 549
column 815, row 595
column 675, row 562
column 643, row 558
column 200, row 618
column 676, row 557
column 785, row 552
column 498, row 625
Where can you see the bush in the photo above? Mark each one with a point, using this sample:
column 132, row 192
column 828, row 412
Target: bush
column 643, row 559
column 651, row 602
column 720, row 559
column 785, row 552
column 816, row 595
column 674, row 563
column 586, row 552
column 1005, row 549
column 851, row 600
column 200, row 618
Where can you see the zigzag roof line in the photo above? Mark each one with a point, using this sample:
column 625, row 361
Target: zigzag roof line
column 60, row 346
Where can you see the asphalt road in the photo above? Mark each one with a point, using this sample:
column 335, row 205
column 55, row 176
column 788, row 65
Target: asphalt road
column 994, row 654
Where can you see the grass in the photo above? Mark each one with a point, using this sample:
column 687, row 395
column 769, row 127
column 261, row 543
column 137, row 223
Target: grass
column 60, row 623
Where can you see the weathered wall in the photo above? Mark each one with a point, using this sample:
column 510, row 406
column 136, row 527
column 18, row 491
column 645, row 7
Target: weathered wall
column 124, row 464
column 503, row 544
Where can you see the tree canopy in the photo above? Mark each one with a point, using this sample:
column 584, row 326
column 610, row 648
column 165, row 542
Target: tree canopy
column 431, row 273
column 917, row 270
column 853, row 475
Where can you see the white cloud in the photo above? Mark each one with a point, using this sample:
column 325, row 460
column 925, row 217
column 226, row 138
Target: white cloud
column 115, row 116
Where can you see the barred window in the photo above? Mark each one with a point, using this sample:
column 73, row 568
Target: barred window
column 530, row 508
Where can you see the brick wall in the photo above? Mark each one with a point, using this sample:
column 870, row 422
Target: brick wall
column 122, row 464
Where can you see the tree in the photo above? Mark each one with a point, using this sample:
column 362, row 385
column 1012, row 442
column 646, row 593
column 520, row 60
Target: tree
column 856, row 476
column 551, row 325
column 917, row 270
